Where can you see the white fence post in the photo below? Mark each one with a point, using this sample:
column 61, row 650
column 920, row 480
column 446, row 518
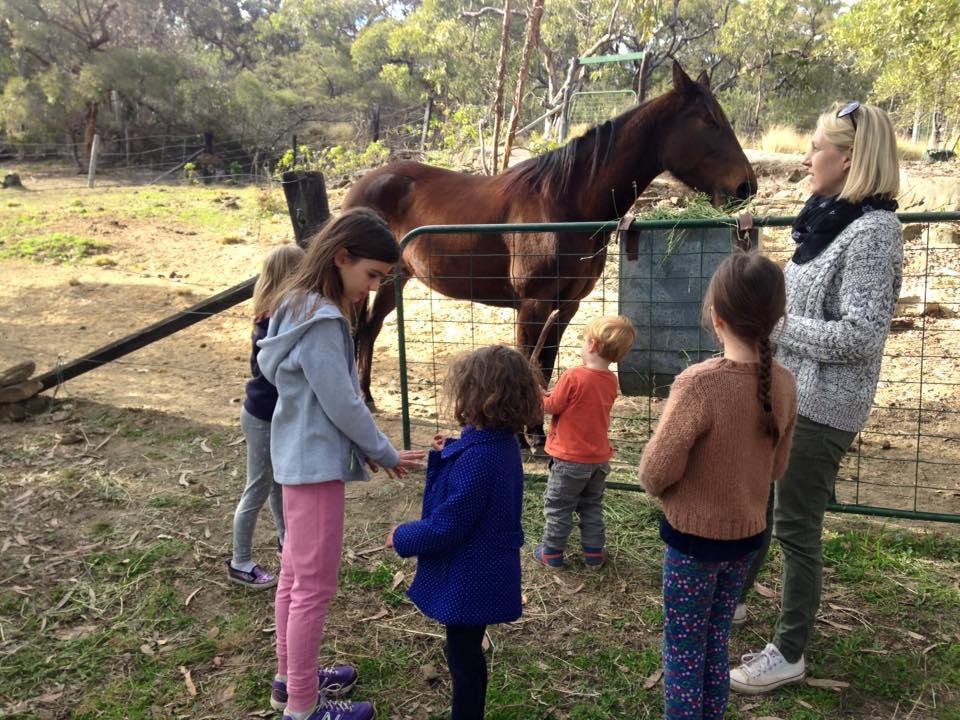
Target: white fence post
column 94, row 150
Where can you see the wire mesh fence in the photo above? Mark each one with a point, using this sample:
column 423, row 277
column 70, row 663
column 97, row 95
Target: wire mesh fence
column 905, row 462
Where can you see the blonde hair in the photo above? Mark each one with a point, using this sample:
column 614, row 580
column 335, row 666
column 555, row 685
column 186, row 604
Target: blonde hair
column 613, row 335
column 874, row 169
column 277, row 266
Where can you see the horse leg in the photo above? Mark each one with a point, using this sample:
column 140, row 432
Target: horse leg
column 368, row 328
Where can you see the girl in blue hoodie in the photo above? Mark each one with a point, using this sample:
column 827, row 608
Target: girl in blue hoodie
column 468, row 541
column 322, row 435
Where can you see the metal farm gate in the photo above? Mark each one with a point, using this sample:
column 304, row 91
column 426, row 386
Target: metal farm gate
column 906, row 461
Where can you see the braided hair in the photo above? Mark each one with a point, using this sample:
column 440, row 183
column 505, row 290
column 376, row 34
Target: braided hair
column 748, row 292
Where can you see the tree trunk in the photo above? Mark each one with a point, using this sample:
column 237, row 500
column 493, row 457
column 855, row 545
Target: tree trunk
column 915, row 134
column 533, row 32
column 375, row 123
column 501, row 76
column 642, row 78
column 427, row 112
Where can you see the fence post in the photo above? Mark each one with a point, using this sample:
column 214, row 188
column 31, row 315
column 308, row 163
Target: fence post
column 307, row 203
column 293, row 145
column 94, row 150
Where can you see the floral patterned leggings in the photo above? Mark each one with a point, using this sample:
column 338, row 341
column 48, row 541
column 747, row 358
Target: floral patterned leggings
column 699, row 597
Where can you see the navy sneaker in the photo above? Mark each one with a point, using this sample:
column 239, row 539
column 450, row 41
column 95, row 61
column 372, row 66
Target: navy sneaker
column 335, row 681
column 594, row 556
column 548, row 556
column 339, row 710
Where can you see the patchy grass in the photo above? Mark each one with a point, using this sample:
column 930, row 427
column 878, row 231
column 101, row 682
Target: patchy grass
column 57, row 247
column 114, row 590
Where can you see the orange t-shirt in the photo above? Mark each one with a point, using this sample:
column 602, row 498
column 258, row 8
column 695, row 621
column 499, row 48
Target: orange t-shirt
column 580, row 403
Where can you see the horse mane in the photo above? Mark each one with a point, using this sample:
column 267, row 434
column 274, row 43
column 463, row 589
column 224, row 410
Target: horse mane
column 552, row 172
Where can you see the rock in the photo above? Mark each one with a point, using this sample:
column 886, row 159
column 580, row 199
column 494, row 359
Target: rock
column 12, row 180
column 797, row 175
column 37, row 405
column 17, row 373
column 20, row 391
column 12, row 412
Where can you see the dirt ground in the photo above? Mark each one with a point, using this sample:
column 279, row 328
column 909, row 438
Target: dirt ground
column 166, row 254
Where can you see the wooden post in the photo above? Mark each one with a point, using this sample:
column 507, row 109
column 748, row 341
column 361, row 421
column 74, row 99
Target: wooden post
column 427, row 111
column 306, row 197
column 94, row 150
column 293, row 145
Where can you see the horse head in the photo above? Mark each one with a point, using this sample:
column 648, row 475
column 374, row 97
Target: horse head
column 699, row 146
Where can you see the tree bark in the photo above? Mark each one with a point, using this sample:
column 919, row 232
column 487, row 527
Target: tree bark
column 533, row 32
column 501, row 75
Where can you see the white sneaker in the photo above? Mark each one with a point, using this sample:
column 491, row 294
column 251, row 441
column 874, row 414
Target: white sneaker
column 765, row 671
column 740, row 614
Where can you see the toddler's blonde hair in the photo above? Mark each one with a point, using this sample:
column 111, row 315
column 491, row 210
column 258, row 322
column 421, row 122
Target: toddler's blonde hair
column 277, row 266
column 613, row 335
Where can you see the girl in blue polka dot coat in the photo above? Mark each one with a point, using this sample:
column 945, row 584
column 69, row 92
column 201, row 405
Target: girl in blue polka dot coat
column 468, row 541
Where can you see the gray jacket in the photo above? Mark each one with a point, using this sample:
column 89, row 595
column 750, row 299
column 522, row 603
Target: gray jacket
column 839, row 307
column 321, row 428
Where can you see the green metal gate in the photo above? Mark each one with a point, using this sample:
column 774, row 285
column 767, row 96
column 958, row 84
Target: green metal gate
column 906, row 461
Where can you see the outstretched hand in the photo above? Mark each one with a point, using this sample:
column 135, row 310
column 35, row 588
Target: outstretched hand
column 408, row 459
column 389, row 541
column 437, row 443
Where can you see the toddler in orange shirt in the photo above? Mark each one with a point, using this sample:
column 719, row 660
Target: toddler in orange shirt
column 577, row 443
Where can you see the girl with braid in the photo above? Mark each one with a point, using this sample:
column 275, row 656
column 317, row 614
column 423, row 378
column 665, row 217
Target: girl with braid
column 724, row 434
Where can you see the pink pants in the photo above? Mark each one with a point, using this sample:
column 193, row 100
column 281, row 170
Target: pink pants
column 308, row 580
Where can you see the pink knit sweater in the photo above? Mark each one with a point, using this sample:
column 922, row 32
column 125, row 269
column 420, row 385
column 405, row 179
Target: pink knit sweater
column 709, row 461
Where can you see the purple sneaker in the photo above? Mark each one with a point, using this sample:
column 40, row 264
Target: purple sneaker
column 334, row 681
column 340, row 710
column 258, row 578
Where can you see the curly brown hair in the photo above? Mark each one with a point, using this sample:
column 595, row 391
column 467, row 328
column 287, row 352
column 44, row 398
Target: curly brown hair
column 493, row 387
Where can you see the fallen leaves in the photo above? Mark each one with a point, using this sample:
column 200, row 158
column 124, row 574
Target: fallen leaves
column 188, row 681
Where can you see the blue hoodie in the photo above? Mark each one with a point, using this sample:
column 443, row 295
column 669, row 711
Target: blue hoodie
column 321, row 428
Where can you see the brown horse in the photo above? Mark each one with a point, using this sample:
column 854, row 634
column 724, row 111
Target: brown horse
column 597, row 176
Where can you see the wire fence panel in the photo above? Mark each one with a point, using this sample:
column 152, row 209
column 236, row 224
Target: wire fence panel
column 905, row 462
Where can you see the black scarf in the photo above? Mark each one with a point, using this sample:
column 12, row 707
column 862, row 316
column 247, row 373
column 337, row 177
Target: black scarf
column 823, row 218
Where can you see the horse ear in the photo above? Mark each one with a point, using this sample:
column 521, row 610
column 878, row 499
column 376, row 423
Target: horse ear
column 704, row 79
column 681, row 81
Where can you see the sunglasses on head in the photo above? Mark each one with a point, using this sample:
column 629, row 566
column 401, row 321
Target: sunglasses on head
column 849, row 110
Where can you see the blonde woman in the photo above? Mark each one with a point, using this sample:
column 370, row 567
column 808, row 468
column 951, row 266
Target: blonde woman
column 842, row 283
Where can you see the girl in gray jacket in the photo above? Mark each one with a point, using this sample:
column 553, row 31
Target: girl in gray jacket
column 322, row 435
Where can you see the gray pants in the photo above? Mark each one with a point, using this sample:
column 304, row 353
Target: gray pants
column 259, row 487
column 571, row 487
column 796, row 508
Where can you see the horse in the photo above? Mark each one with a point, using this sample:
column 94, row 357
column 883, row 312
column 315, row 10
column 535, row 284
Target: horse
column 596, row 176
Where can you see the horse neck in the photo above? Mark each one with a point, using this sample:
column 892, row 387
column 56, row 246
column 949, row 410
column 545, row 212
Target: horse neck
column 631, row 164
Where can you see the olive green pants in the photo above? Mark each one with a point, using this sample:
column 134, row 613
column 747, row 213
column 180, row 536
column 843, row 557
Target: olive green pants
column 795, row 517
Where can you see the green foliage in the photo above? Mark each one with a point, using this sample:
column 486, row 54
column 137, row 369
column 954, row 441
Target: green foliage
column 337, row 162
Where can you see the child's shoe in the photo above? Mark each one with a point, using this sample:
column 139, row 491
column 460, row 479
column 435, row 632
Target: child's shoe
column 257, row 578
column 334, row 681
column 548, row 556
column 338, row 710
column 594, row 556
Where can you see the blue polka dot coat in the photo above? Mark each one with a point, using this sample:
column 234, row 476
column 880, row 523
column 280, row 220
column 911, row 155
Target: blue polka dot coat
column 468, row 541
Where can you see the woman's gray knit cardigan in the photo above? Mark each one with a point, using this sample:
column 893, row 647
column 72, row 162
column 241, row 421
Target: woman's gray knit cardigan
column 839, row 307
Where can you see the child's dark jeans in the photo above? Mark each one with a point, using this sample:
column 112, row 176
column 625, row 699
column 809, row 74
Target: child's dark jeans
column 468, row 670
